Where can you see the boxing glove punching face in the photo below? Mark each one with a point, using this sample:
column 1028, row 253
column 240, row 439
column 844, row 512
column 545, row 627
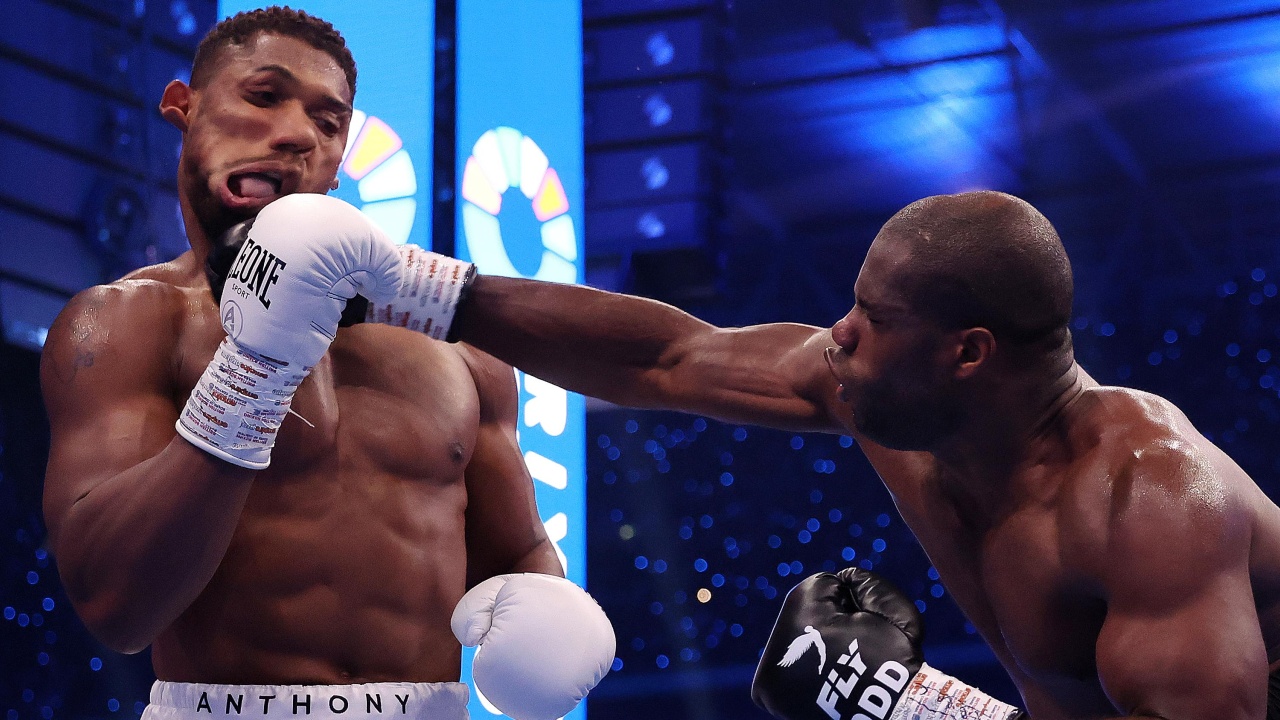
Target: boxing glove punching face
column 435, row 287
column 222, row 256
column 844, row 647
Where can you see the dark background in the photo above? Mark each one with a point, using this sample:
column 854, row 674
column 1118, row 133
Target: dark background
column 741, row 155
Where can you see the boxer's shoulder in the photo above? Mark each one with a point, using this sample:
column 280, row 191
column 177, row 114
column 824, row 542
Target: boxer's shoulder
column 137, row 326
column 118, row 312
column 1139, row 463
column 165, row 293
column 1119, row 402
column 495, row 381
column 1130, row 433
column 181, row 276
column 1143, row 471
column 1124, row 424
column 113, row 340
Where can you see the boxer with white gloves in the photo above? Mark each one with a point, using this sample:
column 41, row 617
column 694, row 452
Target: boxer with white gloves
column 546, row 643
column 543, row 643
column 864, row 637
column 301, row 259
column 298, row 544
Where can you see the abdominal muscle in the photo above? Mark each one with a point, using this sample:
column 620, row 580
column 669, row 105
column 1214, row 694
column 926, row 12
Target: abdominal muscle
column 350, row 553
column 340, row 591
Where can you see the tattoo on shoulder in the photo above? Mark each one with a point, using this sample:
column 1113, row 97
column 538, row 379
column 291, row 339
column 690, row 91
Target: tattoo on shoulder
column 83, row 330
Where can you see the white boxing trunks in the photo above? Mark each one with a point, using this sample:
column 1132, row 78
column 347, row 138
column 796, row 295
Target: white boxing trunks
column 417, row 701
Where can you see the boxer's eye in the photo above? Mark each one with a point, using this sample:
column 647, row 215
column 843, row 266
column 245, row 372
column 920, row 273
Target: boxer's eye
column 328, row 125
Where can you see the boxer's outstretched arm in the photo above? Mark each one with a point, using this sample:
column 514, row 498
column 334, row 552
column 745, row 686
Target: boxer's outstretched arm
column 138, row 518
column 1181, row 639
column 642, row 353
column 503, row 529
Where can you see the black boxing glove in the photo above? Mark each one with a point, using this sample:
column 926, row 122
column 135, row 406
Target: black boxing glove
column 847, row 646
column 218, row 264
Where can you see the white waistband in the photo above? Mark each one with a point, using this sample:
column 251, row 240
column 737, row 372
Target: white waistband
column 416, row 701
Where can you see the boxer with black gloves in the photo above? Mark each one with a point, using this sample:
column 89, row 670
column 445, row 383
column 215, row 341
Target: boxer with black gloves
column 295, row 514
column 1118, row 563
column 866, row 638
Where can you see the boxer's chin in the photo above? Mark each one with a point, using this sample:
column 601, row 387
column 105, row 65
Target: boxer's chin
column 216, row 218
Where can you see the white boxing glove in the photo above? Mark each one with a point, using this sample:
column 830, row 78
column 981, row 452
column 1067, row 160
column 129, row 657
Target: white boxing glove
column 544, row 643
column 434, row 287
column 304, row 257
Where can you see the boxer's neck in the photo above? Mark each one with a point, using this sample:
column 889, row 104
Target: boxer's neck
column 1022, row 426
column 196, row 236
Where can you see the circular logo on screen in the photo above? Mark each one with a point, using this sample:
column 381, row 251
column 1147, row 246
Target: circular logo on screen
column 385, row 182
column 502, row 159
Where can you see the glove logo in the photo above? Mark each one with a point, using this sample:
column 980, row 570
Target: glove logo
column 259, row 269
column 798, row 647
column 880, row 693
column 232, row 316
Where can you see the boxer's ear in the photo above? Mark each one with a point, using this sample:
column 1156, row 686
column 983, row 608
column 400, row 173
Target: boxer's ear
column 973, row 350
column 175, row 104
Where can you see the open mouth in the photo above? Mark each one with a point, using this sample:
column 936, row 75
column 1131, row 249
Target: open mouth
column 254, row 185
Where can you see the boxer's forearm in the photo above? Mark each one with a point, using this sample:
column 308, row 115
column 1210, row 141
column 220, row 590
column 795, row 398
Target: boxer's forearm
column 138, row 548
column 596, row 343
column 542, row 559
column 642, row 353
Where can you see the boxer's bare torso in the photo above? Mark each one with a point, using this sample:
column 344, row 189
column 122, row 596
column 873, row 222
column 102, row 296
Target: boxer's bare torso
column 352, row 548
column 1035, row 565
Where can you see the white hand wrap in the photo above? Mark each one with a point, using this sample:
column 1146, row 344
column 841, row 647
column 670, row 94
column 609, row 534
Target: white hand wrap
column 238, row 404
column 544, row 643
column 935, row 695
column 434, row 285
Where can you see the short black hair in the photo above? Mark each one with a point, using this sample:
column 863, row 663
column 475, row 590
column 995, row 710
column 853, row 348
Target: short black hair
column 240, row 28
column 987, row 259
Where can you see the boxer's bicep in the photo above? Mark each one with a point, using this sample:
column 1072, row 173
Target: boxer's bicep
column 773, row 375
column 1181, row 637
column 1200, row 658
column 106, row 379
column 504, row 532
